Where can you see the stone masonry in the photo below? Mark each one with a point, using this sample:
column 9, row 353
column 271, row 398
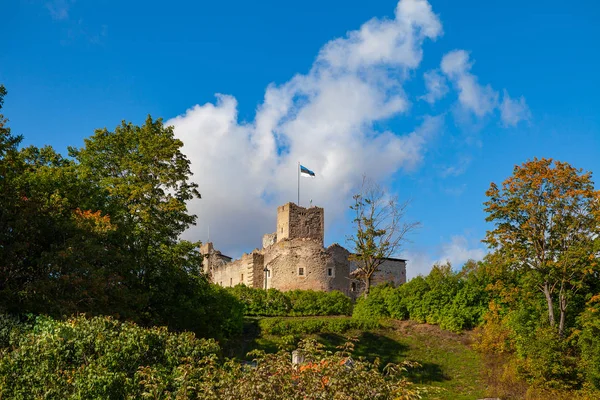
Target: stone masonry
column 293, row 257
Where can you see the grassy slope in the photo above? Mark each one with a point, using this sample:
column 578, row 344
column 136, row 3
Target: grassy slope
column 448, row 365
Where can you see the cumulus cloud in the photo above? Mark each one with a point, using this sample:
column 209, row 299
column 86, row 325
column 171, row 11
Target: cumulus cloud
column 328, row 118
column 325, row 118
column 436, row 86
column 481, row 100
column 513, row 111
column 457, row 252
column 385, row 42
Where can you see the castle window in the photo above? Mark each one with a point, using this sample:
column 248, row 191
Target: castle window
column 353, row 287
column 301, row 271
column 330, row 272
column 242, row 278
column 230, row 281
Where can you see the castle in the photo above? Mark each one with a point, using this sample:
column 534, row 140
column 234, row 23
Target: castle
column 293, row 257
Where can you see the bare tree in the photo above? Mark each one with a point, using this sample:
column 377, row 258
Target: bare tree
column 380, row 229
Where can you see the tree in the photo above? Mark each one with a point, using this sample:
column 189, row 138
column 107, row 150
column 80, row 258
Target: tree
column 380, row 230
column 547, row 217
column 145, row 179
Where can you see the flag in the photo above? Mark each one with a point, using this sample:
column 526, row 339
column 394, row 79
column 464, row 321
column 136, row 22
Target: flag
column 306, row 172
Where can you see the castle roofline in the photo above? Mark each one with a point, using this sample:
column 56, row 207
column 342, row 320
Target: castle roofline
column 391, row 258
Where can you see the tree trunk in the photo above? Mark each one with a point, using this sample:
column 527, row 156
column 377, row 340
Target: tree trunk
column 562, row 300
column 367, row 286
column 550, row 304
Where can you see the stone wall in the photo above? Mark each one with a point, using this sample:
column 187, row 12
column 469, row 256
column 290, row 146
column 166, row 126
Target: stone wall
column 269, row 240
column 392, row 270
column 294, row 258
column 212, row 258
column 295, row 222
column 339, row 260
column 305, row 264
column 247, row 270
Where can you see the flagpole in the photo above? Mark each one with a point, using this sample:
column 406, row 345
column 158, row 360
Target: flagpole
column 298, row 182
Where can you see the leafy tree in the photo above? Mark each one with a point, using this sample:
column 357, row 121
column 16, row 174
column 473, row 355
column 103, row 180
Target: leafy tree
column 547, row 216
column 381, row 230
column 145, row 177
column 98, row 233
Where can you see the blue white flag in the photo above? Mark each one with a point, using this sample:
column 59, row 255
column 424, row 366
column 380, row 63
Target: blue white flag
column 306, row 172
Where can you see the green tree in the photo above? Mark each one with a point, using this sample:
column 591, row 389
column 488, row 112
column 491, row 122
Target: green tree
column 547, row 216
column 145, row 178
column 380, row 230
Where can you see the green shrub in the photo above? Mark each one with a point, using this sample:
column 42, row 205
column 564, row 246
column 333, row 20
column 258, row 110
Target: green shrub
column 374, row 307
column 95, row 358
column 589, row 341
column 311, row 303
column 546, row 360
column 297, row 326
column 101, row 358
column 275, row 303
column 453, row 300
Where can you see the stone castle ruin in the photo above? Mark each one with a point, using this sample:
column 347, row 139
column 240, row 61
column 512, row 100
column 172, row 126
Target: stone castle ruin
column 293, row 257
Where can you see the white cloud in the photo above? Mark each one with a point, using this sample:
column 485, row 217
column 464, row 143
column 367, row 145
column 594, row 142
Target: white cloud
column 329, row 119
column 325, row 119
column 436, row 86
column 481, row 100
column 458, row 251
column 513, row 111
column 385, row 42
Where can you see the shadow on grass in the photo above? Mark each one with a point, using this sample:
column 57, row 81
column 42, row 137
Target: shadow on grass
column 426, row 373
column 372, row 345
column 238, row 347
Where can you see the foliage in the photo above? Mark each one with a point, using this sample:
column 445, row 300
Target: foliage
column 295, row 326
column 275, row 303
column 374, row 307
column 589, row 341
column 102, row 358
column 96, row 358
column 380, row 230
column 453, row 300
column 547, row 216
column 543, row 269
column 98, row 233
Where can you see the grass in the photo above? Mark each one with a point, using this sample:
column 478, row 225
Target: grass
column 450, row 369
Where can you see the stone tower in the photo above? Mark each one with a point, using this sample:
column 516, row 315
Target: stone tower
column 295, row 222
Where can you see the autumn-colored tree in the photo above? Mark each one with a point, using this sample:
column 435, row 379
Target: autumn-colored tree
column 547, row 217
column 380, row 230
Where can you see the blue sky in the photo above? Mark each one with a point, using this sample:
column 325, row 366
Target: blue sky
column 435, row 99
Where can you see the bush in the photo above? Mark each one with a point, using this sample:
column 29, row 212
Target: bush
column 307, row 326
column 455, row 301
column 101, row 358
column 275, row 303
column 589, row 341
column 375, row 306
column 191, row 303
column 95, row 358
column 546, row 360
column 311, row 303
